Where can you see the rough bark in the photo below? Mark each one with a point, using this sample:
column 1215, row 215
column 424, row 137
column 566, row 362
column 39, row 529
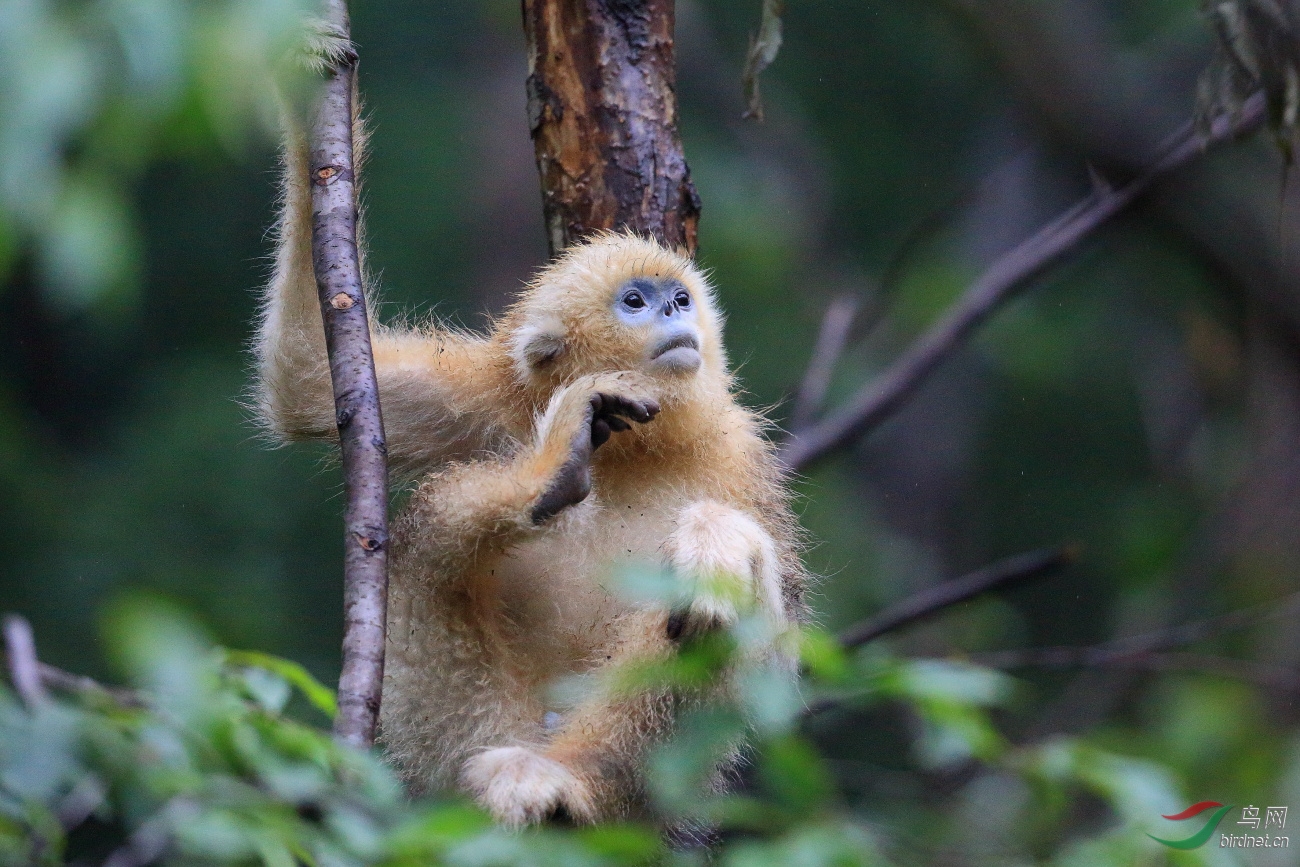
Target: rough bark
column 602, row 107
column 356, row 402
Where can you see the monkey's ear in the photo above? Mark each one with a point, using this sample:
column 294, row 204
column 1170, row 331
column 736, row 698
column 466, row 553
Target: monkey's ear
column 537, row 345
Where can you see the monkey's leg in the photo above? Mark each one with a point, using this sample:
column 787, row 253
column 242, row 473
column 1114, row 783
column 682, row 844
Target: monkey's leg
column 453, row 684
column 592, row 767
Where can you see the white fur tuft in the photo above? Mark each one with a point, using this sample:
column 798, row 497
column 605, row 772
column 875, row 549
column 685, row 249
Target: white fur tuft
column 518, row 787
column 536, row 343
column 718, row 548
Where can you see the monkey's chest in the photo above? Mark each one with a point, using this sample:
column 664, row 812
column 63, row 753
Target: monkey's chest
column 562, row 592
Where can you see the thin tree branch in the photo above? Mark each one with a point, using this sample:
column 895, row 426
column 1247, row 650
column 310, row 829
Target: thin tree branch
column 24, row 668
column 1151, row 651
column 1000, row 575
column 763, row 49
column 31, row 677
column 1270, row 676
column 1199, row 630
column 935, row 600
column 1149, row 642
column 87, row 687
column 1148, row 651
column 837, row 322
column 356, row 400
column 879, row 399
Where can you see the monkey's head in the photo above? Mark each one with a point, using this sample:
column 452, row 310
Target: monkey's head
column 617, row 302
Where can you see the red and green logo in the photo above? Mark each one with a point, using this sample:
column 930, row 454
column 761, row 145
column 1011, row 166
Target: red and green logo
column 1200, row 837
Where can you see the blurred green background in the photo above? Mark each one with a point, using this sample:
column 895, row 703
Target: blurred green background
column 1141, row 400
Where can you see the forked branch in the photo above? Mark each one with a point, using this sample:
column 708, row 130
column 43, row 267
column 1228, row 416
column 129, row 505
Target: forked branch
column 879, row 399
column 32, row 679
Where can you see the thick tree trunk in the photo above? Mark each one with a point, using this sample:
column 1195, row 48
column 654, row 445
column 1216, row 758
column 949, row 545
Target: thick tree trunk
column 602, row 106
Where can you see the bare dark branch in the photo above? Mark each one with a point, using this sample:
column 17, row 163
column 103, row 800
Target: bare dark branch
column 31, row 677
column 78, row 684
column 1199, row 630
column 1000, row 575
column 763, row 49
column 1273, row 677
column 831, row 339
column 24, row 668
column 879, row 399
column 1147, row 643
column 1151, row 651
column 356, row 400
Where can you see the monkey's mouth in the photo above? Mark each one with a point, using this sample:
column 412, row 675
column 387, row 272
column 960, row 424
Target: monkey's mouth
column 678, row 354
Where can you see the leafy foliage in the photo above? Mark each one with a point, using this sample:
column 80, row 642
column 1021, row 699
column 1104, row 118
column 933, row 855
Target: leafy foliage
column 1122, row 405
column 93, row 91
column 211, row 769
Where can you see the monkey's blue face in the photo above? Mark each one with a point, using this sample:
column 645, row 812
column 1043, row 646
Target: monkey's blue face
column 665, row 310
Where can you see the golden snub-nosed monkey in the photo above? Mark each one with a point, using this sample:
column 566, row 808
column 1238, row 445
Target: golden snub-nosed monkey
column 594, row 425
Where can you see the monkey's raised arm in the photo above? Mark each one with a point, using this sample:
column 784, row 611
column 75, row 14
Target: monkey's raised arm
column 435, row 385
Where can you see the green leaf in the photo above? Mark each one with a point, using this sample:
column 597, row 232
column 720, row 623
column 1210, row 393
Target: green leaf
column 437, row 829
column 163, row 649
column 794, row 775
column 321, row 696
column 89, row 245
column 823, row 656
column 680, row 770
column 623, row 844
column 952, row 680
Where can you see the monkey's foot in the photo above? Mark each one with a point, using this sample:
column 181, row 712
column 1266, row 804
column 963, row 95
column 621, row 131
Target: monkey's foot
column 711, row 607
column 519, row 787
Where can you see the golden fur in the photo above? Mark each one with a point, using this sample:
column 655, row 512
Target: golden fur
column 487, row 607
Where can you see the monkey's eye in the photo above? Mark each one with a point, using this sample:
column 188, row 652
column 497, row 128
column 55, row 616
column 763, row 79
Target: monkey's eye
column 682, row 299
column 633, row 301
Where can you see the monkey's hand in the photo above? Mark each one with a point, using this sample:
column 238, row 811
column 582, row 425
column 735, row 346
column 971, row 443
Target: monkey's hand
column 581, row 418
column 520, row 787
column 729, row 565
